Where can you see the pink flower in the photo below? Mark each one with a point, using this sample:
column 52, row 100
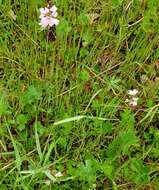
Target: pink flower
column 44, row 11
column 53, row 10
column 48, row 17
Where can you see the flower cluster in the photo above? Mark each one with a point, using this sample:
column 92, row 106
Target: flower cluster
column 133, row 100
column 48, row 17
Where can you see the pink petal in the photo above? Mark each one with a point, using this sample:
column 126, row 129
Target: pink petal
column 53, row 21
column 54, row 14
column 41, row 16
column 44, row 11
column 44, row 22
column 53, row 9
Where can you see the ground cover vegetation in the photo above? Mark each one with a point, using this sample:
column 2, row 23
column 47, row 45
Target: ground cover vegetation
column 79, row 96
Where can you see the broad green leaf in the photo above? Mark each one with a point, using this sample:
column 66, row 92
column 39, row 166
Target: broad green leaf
column 137, row 172
column 116, row 2
column 127, row 119
column 63, row 28
column 87, row 171
column 108, row 170
column 83, row 19
column 122, row 143
column 31, row 95
column 22, row 120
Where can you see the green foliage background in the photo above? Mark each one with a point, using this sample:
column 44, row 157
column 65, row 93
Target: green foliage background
column 63, row 96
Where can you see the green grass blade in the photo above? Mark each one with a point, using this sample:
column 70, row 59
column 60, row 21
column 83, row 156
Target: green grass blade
column 38, row 146
column 52, row 145
column 79, row 117
column 18, row 160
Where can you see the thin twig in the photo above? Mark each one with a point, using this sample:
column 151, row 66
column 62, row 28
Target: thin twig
column 130, row 25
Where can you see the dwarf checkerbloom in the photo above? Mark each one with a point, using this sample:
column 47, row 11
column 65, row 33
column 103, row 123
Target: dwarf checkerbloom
column 48, row 17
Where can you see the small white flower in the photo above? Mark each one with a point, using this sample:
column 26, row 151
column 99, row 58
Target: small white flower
column 144, row 78
column 127, row 100
column 48, row 17
column 133, row 92
column 133, row 102
column 58, row 174
column 47, row 182
column 12, row 15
